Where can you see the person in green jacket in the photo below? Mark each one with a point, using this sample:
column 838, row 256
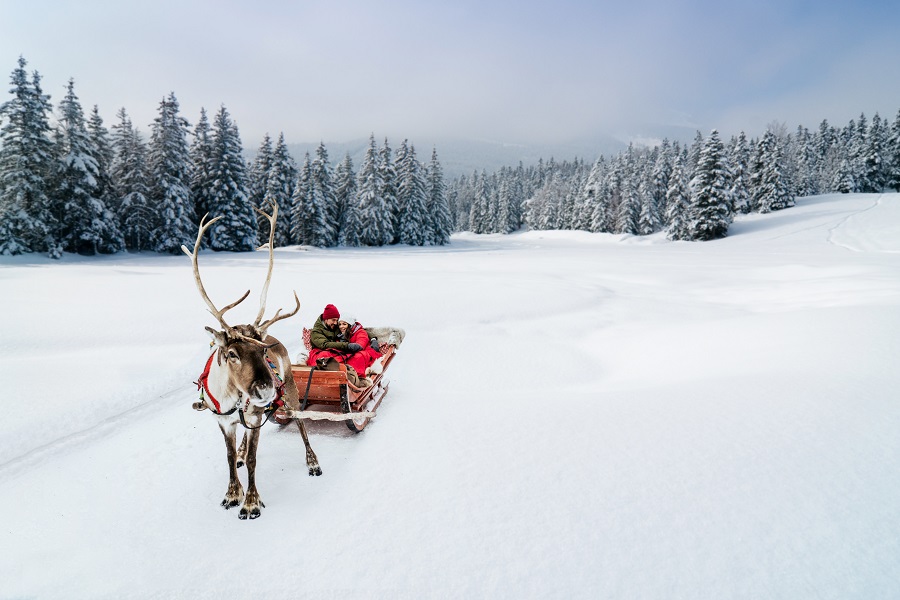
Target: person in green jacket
column 328, row 348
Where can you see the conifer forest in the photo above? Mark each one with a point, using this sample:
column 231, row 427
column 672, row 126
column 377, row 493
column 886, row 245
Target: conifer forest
column 68, row 183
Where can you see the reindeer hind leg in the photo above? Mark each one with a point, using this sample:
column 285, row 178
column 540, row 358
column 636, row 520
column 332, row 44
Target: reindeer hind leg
column 311, row 460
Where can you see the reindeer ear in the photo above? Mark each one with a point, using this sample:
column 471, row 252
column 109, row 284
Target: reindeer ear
column 217, row 336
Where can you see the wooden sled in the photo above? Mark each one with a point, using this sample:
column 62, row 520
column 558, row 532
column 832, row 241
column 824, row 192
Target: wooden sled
column 330, row 391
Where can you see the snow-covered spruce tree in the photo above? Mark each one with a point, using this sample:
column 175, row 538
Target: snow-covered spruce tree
column 169, row 168
column 322, row 187
column 280, row 189
column 100, row 141
column 346, row 193
column 85, row 224
column 237, row 230
column 662, row 170
column 388, row 192
column 710, row 209
column 463, row 200
column 693, row 156
column 258, row 182
column 493, row 205
column 822, row 143
column 313, row 200
column 440, row 221
column 590, row 194
column 453, row 193
column 739, row 158
column 520, row 190
column 411, row 198
column 806, row 179
column 202, row 179
column 129, row 180
column 768, row 188
column 678, row 203
column 376, row 215
column 843, row 180
column 892, row 154
column 301, row 215
column 857, row 149
column 874, row 176
column 545, row 208
column 503, row 202
column 575, row 218
column 629, row 206
column 838, row 161
column 830, row 151
column 27, row 223
column 479, row 219
column 600, row 214
column 649, row 220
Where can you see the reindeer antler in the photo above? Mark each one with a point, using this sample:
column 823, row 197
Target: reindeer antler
column 263, row 327
column 218, row 314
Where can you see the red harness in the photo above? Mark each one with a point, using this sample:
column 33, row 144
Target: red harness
column 203, row 386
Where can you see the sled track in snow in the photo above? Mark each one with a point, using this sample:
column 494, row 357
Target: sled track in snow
column 842, row 222
column 23, row 461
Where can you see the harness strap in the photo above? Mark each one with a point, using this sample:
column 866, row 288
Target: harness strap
column 306, row 393
column 203, row 386
column 269, row 410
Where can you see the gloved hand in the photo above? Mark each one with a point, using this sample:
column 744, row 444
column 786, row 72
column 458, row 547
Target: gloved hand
column 354, row 347
column 375, row 345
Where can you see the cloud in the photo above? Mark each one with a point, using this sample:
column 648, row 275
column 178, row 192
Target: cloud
column 509, row 71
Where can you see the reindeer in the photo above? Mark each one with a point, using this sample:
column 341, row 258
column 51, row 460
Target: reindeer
column 246, row 373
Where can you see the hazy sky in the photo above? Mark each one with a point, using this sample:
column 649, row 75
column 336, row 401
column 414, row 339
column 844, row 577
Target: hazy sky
column 519, row 71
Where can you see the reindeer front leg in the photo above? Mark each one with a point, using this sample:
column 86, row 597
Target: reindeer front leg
column 252, row 502
column 235, row 492
column 311, row 460
column 242, row 452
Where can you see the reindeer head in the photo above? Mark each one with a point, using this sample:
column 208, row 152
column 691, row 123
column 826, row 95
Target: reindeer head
column 242, row 348
column 246, row 363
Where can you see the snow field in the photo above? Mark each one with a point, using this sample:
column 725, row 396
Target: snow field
column 571, row 415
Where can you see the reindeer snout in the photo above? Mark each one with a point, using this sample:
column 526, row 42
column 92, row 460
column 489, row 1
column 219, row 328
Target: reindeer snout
column 261, row 393
column 263, row 390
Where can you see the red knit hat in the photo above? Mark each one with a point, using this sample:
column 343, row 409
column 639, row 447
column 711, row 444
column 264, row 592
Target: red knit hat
column 330, row 312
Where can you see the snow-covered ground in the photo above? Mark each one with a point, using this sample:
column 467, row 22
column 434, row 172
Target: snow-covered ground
column 571, row 416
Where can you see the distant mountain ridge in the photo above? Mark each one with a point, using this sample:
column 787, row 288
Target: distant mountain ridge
column 463, row 157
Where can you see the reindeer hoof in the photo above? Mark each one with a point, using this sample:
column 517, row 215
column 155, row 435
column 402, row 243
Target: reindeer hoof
column 240, row 464
column 315, row 471
column 230, row 503
column 253, row 513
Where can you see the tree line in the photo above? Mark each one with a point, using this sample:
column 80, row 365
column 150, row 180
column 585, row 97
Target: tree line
column 691, row 191
column 76, row 186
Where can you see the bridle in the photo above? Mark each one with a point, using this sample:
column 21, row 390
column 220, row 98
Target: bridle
column 242, row 405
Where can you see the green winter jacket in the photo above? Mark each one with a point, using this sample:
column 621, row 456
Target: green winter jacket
column 326, row 339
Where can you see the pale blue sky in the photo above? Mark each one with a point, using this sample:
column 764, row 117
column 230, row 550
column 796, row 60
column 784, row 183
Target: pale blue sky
column 507, row 71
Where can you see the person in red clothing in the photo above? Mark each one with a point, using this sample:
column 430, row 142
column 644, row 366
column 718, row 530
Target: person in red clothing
column 355, row 334
column 328, row 347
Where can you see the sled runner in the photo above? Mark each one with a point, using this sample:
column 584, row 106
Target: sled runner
column 331, row 391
